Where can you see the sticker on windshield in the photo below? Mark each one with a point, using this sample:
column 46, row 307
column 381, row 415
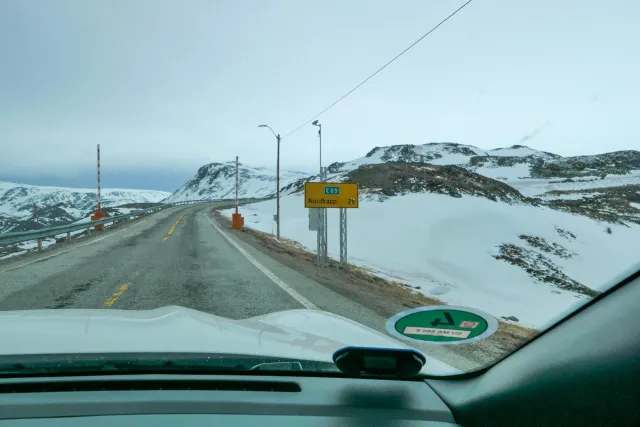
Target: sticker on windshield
column 442, row 324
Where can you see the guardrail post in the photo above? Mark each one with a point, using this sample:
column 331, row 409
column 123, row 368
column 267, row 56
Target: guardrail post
column 68, row 236
column 39, row 244
column 89, row 231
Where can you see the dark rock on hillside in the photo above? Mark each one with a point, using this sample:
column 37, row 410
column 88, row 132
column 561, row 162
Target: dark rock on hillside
column 406, row 153
column 394, row 178
column 545, row 246
column 12, row 194
column 296, row 186
column 412, row 153
column 544, row 165
column 617, row 163
column 454, row 148
column 610, row 204
column 500, row 161
column 541, row 268
column 518, row 146
column 50, row 216
column 335, row 167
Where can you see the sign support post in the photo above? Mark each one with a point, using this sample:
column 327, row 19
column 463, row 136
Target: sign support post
column 322, row 195
column 321, row 233
column 343, row 238
column 325, row 225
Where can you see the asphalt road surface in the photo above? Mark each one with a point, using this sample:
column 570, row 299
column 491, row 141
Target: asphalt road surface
column 179, row 256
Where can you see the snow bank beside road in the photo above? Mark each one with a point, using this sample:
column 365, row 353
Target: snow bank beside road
column 447, row 246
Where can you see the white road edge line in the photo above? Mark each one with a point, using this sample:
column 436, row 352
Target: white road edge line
column 34, row 261
column 302, row 300
column 56, row 254
column 275, row 279
column 138, row 223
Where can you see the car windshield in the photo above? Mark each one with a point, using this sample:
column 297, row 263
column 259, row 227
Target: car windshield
column 216, row 185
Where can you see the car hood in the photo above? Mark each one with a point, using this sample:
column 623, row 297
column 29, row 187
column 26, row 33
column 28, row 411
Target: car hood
column 297, row 334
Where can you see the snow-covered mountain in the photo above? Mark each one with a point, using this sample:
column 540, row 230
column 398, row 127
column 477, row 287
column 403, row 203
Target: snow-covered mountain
column 59, row 205
column 438, row 153
column 534, row 173
column 218, row 181
column 604, row 186
column 530, row 171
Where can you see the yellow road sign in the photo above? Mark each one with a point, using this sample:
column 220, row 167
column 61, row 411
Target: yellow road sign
column 330, row 195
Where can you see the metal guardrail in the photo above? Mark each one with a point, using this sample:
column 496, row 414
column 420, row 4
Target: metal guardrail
column 25, row 236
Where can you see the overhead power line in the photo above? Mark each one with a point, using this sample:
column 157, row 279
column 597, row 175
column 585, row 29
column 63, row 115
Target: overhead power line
column 379, row 69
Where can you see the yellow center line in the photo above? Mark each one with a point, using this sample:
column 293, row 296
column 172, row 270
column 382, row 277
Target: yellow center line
column 173, row 227
column 165, row 238
column 117, row 295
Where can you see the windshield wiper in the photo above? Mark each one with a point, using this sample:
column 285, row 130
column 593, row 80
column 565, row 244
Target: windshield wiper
column 277, row 366
column 350, row 361
column 36, row 365
column 20, row 369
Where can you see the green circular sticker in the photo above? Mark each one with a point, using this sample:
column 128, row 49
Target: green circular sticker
column 442, row 324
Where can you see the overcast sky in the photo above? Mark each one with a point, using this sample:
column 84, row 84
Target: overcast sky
column 167, row 86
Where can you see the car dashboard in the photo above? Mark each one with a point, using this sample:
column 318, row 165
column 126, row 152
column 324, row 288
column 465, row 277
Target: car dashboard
column 239, row 400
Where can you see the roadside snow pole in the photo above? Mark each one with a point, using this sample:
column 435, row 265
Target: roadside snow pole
column 98, row 214
column 236, row 184
column 236, row 219
column 35, row 212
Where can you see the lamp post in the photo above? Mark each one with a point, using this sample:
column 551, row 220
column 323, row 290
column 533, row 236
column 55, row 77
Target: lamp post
column 315, row 123
column 322, row 212
column 277, row 180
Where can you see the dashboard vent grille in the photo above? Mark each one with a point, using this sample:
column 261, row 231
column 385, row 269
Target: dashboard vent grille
column 138, row 385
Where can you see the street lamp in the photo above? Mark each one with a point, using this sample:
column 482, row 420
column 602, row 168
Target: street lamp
column 277, row 180
column 322, row 212
column 315, row 123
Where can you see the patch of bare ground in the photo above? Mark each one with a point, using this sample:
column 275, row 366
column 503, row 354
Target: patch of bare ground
column 385, row 297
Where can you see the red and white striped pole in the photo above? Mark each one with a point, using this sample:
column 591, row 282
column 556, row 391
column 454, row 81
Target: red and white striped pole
column 98, row 214
column 98, row 176
column 236, row 184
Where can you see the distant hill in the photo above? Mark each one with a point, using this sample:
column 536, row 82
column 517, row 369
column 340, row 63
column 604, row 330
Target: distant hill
column 59, row 205
column 218, row 181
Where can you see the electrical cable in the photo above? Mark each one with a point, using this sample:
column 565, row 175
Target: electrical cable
column 379, row 69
